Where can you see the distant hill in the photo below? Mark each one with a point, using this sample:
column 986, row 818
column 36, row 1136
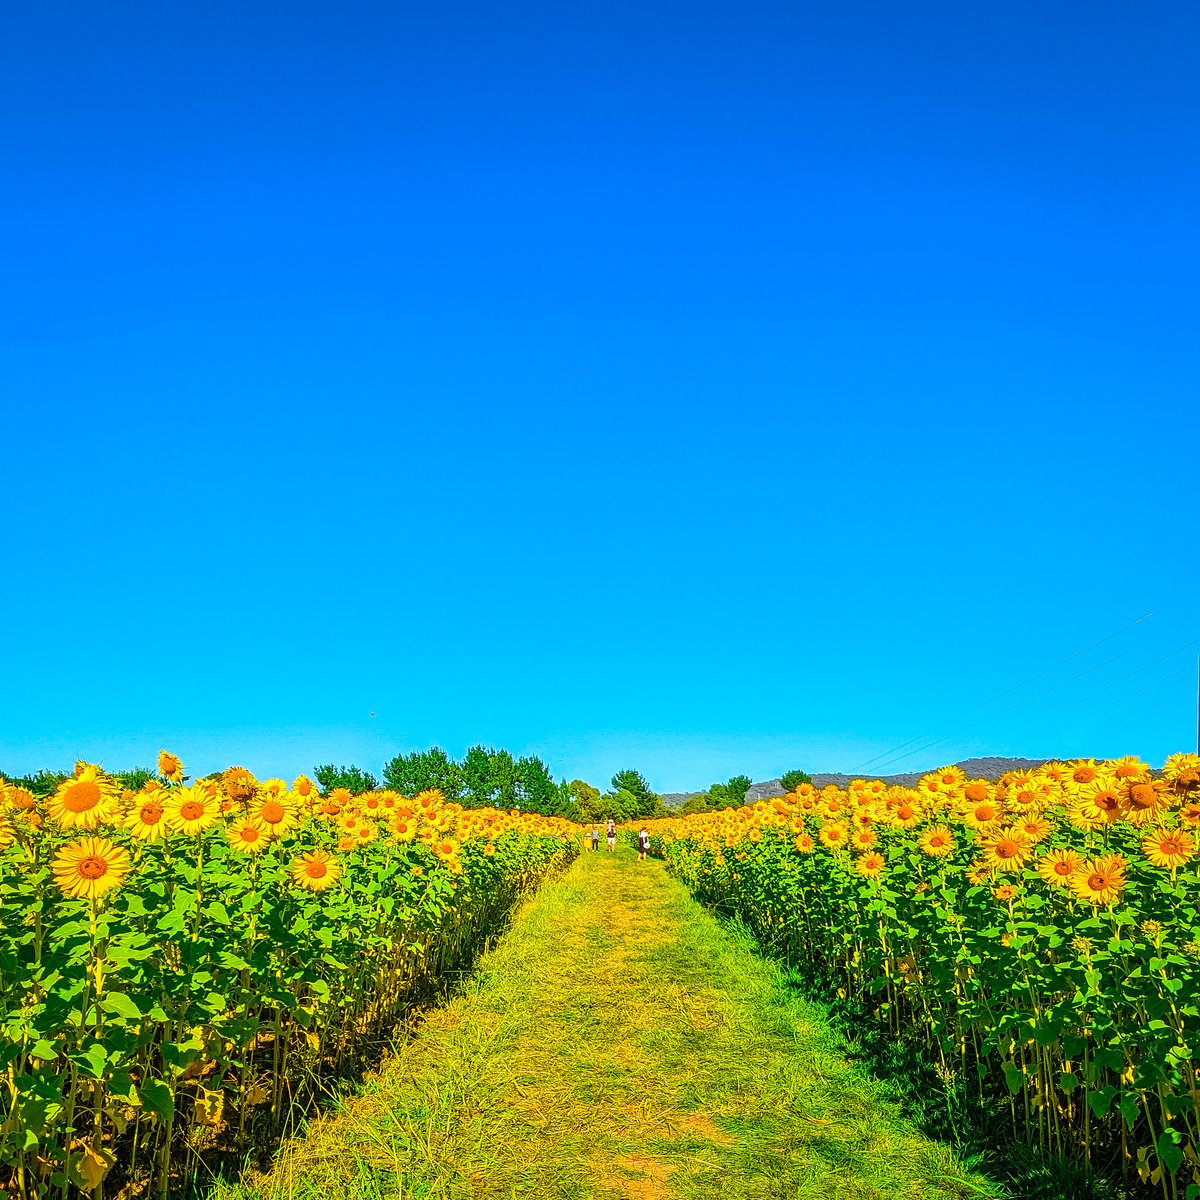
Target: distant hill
column 974, row 768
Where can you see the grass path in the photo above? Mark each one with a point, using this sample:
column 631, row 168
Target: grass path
column 618, row 1044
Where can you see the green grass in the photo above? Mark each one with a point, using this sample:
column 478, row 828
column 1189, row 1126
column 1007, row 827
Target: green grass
column 618, row 1042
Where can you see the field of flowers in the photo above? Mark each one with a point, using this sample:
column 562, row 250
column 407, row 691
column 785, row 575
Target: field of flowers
column 1040, row 933
column 181, row 966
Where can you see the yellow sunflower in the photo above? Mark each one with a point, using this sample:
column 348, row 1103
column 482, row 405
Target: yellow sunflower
column 863, row 838
column 870, row 865
column 1099, row 880
column 239, row 784
column 1169, row 848
column 1182, row 771
column 1143, row 800
column 88, row 868
column 1034, row 828
column 833, row 835
column 937, row 841
column 1128, row 767
column 170, row 767
column 248, row 835
column 6, row 832
column 146, row 819
column 193, row 808
column 1094, row 805
column 88, row 799
column 305, row 789
column 1005, row 850
column 316, row 872
column 983, row 814
column 1058, row 866
column 274, row 811
column 804, row 843
column 403, row 828
column 489, row 849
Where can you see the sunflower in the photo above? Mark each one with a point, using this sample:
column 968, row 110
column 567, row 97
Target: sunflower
column 1004, row 892
column 1083, row 771
column 88, row 868
column 305, row 788
column 1034, row 828
column 1054, row 773
column 239, row 784
column 193, row 808
column 170, row 767
column 146, row 819
column 870, row 865
column 1005, row 850
column 804, row 843
column 1129, row 767
column 977, row 791
column 1143, row 800
column 489, row 849
column 445, row 849
column 1182, row 771
column 248, row 835
column 1099, row 880
column 983, row 814
column 432, row 798
column 833, row 834
column 905, row 813
column 6, row 832
column 315, row 872
column 365, row 833
column 1094, row 805
column 1169, row 848
column 403, row 829
column 86, row 800
column 937, row 841
column 274, row 811
column 863, row 838
column 1058, row 866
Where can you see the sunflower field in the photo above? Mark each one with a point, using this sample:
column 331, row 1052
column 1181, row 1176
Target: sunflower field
column 1040, row 933
column 182, row 966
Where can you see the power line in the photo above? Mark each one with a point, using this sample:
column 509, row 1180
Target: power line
column 1007, row 692
column 991, row 716
column 1124, row 678
column 1127, row 697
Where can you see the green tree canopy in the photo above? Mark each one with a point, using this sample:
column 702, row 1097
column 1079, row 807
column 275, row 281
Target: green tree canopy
column 424, row 769
column 791, row 780
column 354, row 779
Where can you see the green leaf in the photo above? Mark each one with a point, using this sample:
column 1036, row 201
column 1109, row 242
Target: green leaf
column 1170, row 1152
column 157, row 1098
column 121, row 1005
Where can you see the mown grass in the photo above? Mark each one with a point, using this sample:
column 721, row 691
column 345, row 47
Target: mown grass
column 619, row 1042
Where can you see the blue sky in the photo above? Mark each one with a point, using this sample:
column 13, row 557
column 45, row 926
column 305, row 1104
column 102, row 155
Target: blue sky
column 695, row 387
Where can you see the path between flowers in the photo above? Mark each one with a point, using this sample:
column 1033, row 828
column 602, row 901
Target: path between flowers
column 618, row 1043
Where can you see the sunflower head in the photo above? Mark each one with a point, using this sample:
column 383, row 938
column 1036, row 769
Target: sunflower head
column 170, row 767
column 315, row 872
column 88, row 868
column 85, row 800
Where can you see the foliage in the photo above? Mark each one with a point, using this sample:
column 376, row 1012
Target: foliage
column 791, row 780
column 588, row 806
column 354, row 779
column 180, row 965
column 1041, row 934
column 695, row 804
column 422, row 771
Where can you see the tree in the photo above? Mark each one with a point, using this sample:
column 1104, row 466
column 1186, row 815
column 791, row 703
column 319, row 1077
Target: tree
column 476, row 773
column 695, row 804
column 791, row 780
column 354, row 779
column 136, row 779
column 535, row 786
column 422, row 770
column 632, row 782
column 588, row 804
column 731, row 794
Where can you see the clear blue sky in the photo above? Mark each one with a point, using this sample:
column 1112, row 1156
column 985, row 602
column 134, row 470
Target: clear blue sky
column 698, row 387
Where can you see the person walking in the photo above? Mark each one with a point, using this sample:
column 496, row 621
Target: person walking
column 612, row 834
column 595, row 838
column 643, row 843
